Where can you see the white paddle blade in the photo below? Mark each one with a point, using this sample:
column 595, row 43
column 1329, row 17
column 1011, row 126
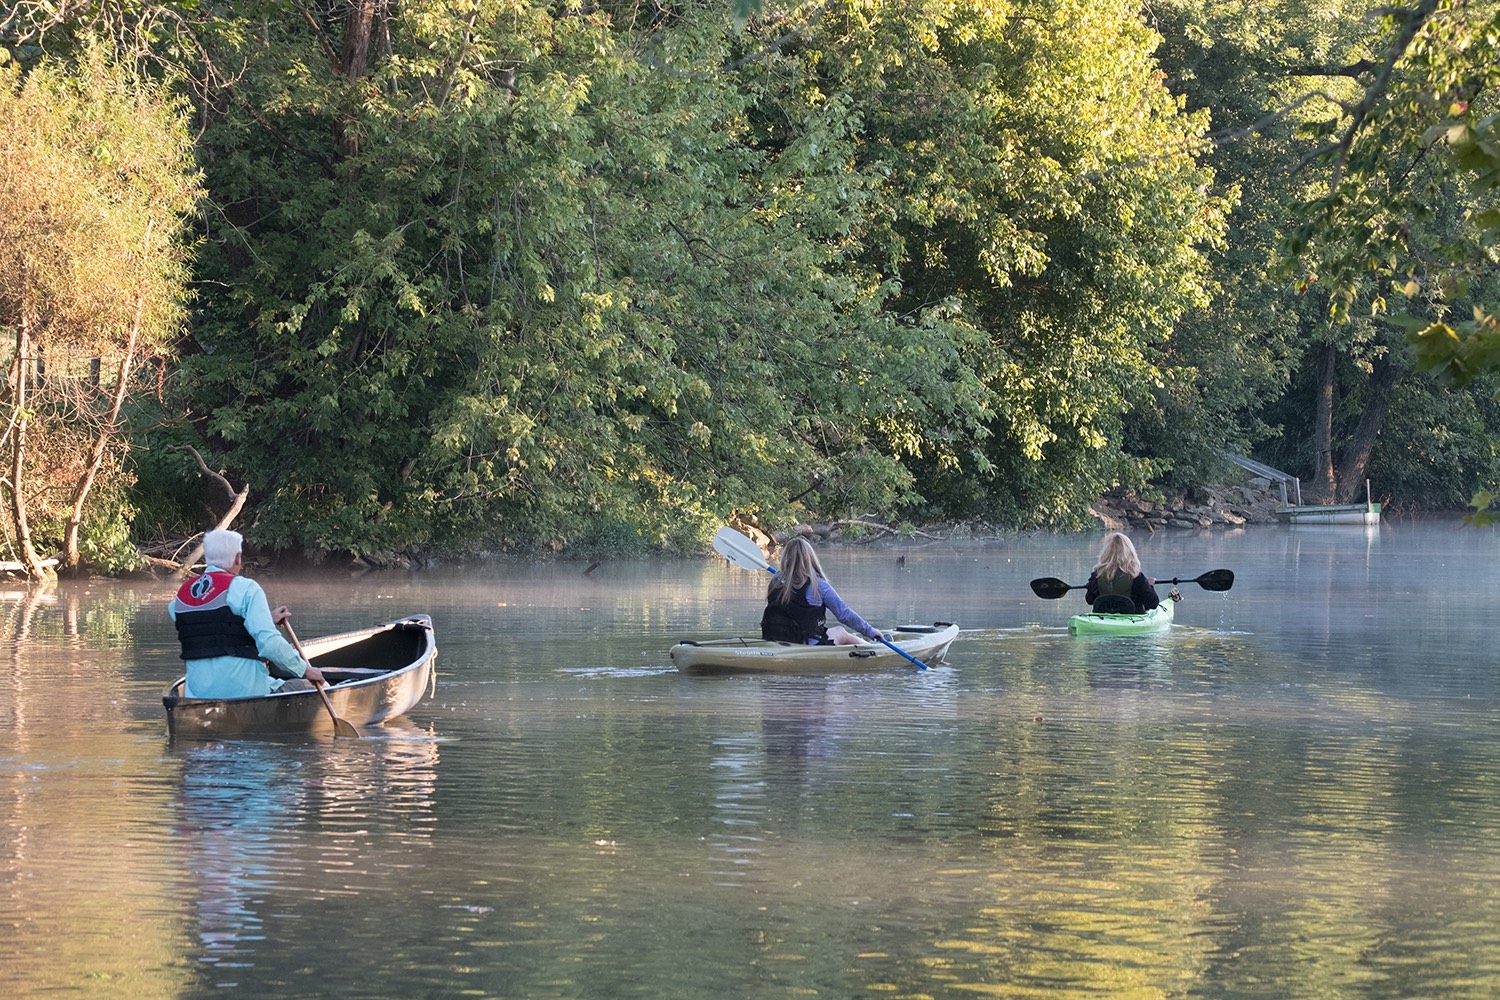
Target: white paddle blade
column 739, row 550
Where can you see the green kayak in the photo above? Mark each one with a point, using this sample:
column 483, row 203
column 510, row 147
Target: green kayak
column 1158, row 617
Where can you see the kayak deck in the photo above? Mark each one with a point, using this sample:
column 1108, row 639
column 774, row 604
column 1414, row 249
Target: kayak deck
column 927, row 643
column 1090, row 623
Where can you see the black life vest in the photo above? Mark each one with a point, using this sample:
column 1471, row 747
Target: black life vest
column 796, row 621
column 1116, row 583
column 206, row 626
column 1116, row 595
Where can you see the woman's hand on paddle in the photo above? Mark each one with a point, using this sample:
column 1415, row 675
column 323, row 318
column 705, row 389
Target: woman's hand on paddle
column 314, row 674
column 280, row 615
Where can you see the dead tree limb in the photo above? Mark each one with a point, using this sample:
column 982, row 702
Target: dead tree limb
column 237, row 503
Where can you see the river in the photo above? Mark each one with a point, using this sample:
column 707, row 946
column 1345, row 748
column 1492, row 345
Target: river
column 1295, row 792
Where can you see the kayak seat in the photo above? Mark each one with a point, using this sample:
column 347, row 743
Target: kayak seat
column 1114, row 604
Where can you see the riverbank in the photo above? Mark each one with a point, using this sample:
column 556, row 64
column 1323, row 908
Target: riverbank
column 1226, row 505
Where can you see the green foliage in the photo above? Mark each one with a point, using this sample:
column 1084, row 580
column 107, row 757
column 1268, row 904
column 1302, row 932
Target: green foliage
column 555, row 296
column 595, row 277
column 96, row 184
column 1441, row 446
column 1263, row 79
column 1410, row 222
column 1026, row 204
column 107, row 542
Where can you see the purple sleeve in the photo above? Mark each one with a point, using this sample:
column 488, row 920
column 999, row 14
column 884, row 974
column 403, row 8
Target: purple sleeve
column 846, row 616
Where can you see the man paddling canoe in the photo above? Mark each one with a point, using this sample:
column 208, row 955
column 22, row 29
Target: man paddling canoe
column 228, row 630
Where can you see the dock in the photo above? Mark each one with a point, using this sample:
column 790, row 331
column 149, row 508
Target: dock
column 1294, row 511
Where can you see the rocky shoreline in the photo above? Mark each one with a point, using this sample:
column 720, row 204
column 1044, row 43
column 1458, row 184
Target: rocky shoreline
column 1252, row 502
column 1255, row 501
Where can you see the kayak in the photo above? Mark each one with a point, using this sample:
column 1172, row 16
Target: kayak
column 373, row 674
column 1157, row 618
column 927, row 643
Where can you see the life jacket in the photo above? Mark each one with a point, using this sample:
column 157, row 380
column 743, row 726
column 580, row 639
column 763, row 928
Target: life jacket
column 1119, row 588
column 206, row 626
column 796, row 621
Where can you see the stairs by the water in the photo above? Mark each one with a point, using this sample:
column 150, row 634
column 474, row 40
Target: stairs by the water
column 1281, row 479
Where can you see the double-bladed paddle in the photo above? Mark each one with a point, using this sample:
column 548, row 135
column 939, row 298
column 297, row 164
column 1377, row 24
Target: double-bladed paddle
column 1050, row 587
column 745, row 554
column 341, row 727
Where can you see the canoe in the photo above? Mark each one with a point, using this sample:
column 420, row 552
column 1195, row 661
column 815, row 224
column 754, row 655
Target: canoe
column 373, row 674
column 1157, row 618
column 927, row 643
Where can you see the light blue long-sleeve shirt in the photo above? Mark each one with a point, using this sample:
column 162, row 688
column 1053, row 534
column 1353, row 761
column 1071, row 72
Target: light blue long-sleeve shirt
column 830, row 599
column 241, row 676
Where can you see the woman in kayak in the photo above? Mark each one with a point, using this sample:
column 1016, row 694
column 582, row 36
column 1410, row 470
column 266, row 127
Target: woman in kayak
column 797, row 598
column 1118, row 578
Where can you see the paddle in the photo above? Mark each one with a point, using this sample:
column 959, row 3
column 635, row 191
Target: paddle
column 341, row 727
column 745, row 554
column 1050, row 588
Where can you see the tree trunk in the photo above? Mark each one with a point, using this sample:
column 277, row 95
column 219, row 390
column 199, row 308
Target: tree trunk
column 354, row 63
column 106, row 434
column 25, row 550
column 1324, row 485
column 1356, row 457
column 357, row 28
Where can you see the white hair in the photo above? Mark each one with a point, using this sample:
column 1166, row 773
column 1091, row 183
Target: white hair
column 221, row 545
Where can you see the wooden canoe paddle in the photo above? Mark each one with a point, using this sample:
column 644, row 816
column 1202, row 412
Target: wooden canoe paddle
column 341, row 727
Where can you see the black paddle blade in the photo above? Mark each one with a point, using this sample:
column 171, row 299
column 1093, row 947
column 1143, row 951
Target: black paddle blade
column 1050, row 588
column 1216, row 579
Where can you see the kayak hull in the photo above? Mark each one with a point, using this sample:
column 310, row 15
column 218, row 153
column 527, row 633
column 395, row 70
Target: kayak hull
column 1155, row 620
column 927, row 643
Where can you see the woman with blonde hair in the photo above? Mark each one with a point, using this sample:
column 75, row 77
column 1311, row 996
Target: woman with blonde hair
column 1117, row 578
column 797, row 598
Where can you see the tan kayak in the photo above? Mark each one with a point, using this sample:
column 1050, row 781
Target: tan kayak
column 927, row 643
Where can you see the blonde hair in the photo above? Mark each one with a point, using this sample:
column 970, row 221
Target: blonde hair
column 1116, row 556
column 799, row 567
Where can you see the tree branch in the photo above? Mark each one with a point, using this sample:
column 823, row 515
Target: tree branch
column 238, row 502
column 1415, row 19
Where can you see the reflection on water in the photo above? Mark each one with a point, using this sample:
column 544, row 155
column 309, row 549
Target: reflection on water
column 1293, row 792
column 259, row 820
column 235, row 799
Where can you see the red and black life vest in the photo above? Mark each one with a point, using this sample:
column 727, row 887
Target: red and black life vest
column 796, row 621
column 206, row 626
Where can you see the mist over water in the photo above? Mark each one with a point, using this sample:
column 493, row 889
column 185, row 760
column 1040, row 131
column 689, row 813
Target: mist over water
column 1294, row 792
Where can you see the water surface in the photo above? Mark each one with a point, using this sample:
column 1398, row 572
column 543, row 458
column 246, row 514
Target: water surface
column 1295, row 792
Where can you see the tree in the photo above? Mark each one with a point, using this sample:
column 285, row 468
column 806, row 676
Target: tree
column 96, row 184
column 1036, row 188
column 518, row 283
column 1408, row 213
column 1288, row 367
